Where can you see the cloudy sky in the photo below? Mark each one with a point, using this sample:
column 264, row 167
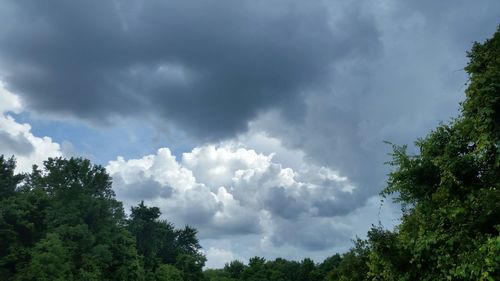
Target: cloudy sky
column 261, row 123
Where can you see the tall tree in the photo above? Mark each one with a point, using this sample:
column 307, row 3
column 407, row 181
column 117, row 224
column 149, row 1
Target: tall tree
column 159, row 243
column 22, row 219
column 450, row 190
column 234, row 269
column 353, row 266
column 10, row 180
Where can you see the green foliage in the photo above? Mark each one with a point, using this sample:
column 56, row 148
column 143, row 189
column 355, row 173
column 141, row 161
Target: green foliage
column 22, row 223
column 353, row 265
column 192, row 266
column 166, row 272
column 329, row 264
column 159, row 243
column 9, row 180
column 50, row 261
column 62, row 222
column 256, row 270
column 234, row 269
column 387, row 259
column 450, row 190
column 274, row 270
column 144, row 225
column 217, row 275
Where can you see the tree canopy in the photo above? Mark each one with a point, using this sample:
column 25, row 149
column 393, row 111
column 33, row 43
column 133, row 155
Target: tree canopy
column 62, row 222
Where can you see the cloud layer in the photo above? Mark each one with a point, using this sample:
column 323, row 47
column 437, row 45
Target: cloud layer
column 196, row 64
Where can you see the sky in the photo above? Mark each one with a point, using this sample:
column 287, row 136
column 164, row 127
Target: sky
column 260, row 123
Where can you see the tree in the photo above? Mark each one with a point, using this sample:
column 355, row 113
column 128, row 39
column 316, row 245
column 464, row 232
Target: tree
column 388, row 259
column 217, row 275
column 307, row 271
column 158, row 242
column 191, row 266
column 65, row 210
column 50, row 261
column 22, row 221
column 353, row 266
column 234, row 269
column 9, row 180
column 330, row 263
column 62, row 222
column 186, row 241
column 145, row 227
column 256, row 270
column 450, row 190
column 167, row 272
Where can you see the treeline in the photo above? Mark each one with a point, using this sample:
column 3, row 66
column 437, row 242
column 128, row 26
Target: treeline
column 62, row 221
column 336, row 267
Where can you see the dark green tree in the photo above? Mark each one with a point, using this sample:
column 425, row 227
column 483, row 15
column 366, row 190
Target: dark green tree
column 9, row 180
column 353, row 266
column 256, row 270
column 217, row 275
column 22, row 220
column 329, row 264
column 191, row 266
column 50, row 260
column 234, row 269
column 68, row 205
column 144, row 224
column 158, row 242
column 450, row 189
column 166, row 272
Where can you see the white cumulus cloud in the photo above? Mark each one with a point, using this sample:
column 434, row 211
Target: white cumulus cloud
column 16, row 138
column 217, row 257
column 229, row 189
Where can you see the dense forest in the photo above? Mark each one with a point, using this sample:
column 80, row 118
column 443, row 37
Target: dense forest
column 62, row 221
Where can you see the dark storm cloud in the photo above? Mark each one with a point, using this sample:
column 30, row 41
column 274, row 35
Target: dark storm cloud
column 398, row 94
column 335, row 207
column 15, row 144
column 206, row 66
column 279, row 202
column 245, row 224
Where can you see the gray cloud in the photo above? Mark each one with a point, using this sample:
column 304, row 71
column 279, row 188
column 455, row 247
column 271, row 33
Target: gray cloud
column 16, row 144
column 141, row 190
column 317, row 237
column 398, row 94
column 196, row 64
column 281, row 203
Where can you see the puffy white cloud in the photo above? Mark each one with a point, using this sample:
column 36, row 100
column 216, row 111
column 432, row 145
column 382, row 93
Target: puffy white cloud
column 8, row 101
column 218, row 257
column 16, row 138
column 229, row 190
